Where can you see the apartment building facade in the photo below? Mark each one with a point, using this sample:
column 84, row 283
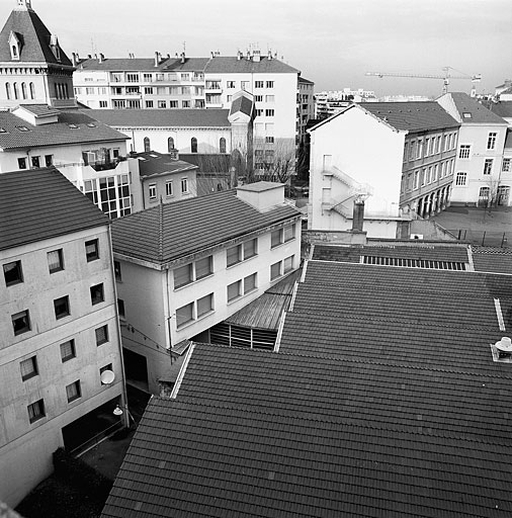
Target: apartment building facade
column 184, row 267
column 58, row 324
column 483, row 168
column 397, row 157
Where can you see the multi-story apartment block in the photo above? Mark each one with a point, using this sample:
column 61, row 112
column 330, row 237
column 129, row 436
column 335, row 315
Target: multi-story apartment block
column 58, row 324
column 33, row 67
column 305, row 107
column 184, row 267
column 483, row 171
column 182, row 82
column 328, row 103
column 87, row 152
column 398, row 157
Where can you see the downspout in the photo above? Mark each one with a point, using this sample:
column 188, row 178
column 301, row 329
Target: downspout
column 124, row 395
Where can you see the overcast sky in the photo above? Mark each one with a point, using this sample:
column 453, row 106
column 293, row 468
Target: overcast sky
column 333, row 42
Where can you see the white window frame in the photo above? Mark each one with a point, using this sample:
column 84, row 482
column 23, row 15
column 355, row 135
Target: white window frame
column 461, row 179
column 492, row 137
column 488, row 163
column 465, row 151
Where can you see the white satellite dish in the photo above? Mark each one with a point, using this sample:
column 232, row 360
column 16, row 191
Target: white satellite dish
column 505, row 344
column 107, row 377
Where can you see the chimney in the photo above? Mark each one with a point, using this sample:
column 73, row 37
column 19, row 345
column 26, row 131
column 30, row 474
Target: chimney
column 270, row 55
column 89, row 56
column 102, row 57
column 212, row 54
column 238, row 55
column 182, row 57
column 74, row 58
column 95, row 56
column 358, row 216
column 157, row 58
column 263, row 196
column 256, row 56
column 248, row 55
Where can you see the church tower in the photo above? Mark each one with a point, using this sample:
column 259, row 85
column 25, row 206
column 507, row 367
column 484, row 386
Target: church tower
column 33, row 67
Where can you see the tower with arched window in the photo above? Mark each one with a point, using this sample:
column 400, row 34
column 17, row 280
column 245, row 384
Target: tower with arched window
column 33, row 67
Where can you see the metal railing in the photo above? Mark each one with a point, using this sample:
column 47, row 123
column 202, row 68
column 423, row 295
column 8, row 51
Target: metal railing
column 96, row 439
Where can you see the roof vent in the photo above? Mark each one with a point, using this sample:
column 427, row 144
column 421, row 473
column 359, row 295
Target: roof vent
column 502, row 350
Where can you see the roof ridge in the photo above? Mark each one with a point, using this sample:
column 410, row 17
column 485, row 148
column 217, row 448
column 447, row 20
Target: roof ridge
column 161, row 230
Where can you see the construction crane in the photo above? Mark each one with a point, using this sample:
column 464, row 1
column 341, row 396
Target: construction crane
column 446, row 77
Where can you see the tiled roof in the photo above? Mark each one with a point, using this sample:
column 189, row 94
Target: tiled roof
column 84, row 129
column 473, row 112
column 219, row 64
column 172, row 118
column 154, row 163
column 284, row 435
column 40, row 109
column 29, row 212
column 242, row 104
column 412, row 116
column 355, row 254
column 305, row 81
column 266, row 311
column 174, row 230
column 497, row 260
column 501, row 108
column 507, row 91
column 444, row 319
column 35, row 38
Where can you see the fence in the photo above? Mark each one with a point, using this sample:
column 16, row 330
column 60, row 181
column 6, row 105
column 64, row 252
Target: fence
column 483, row 237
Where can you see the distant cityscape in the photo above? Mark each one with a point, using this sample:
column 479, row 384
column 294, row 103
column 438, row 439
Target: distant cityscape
column 307, row 295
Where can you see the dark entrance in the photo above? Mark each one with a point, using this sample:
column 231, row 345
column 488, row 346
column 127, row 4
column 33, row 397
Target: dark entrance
column 136, row 369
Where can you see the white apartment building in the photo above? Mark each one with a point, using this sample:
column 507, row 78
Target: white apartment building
column 483, row 169
column 183, row 82
column 397, row 157
column 58, row 325
column 184, row 267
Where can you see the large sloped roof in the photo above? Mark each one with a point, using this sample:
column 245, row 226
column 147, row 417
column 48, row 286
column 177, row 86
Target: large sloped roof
column 473, row 112
column 169, row 118
column 29, row 212
column 154, row 163
column 231, row 64
column 173, row 230
column 412, row 116
column 501, row 108
column 72, row 127
column 35, row 39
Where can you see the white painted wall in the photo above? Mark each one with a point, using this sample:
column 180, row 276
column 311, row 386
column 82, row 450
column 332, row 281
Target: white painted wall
column 26, row 448
column 366, row 149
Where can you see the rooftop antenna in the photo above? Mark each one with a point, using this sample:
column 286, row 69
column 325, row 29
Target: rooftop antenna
column 184, row 46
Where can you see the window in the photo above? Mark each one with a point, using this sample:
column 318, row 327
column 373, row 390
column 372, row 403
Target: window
column 21, row 322
column 464, row 150
column 97, row 294
column 28, row 368
column 230, row 84
column 270, row 98
column 8, row 90
column 491, row 140
column 184, row 315
column 148, row 90
column 289, row 233
column 488, row 166
column 132, row 78
column 250, row 283
column 173, row 104
column 170, row 144
column 427, row 146
column 270, row 84
column 147, row 144
column 92, row 250
column 234, row 290
column 419, row 149
column 222, row 145
column 149, row 104
column 484, row 192
column 259, row 84
column 186, row 104
column 506, row 165
column 204, row 305
column 275, row 271
column 117, row 271
column 36, row 411
column 276, row 237
column 193, row 271
column 258, row 98
column 121, row 308
column 35, row 161
column 184, row 185
column 269, row 140
column 152, row 191
column 55, row 261
column 67, row 350
column 73, row 391
column 168, row 188
column 147, row 77
column 61, row 307
column 162, row 104
column 461, row 178
column 245, row 85
column 13, row 273
column 101, row 335
column 416, row 179
column 193, row 145
column 258, row 112
column 22, row 163
column 242, row 252
column 269, row 112
column 438, row 144
column 434, row 176
column 48, row 160
column 288, row 264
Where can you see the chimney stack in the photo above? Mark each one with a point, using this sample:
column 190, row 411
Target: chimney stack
column 270, row 55
column 74, row 59
column 239, row 55
column 157, row 58
column 358, row 216
column 182, row 57
column 102, row 57
column 256, row 56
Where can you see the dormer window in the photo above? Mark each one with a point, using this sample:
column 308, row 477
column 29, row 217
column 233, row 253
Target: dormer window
column 14, row 46
column 54, row 45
